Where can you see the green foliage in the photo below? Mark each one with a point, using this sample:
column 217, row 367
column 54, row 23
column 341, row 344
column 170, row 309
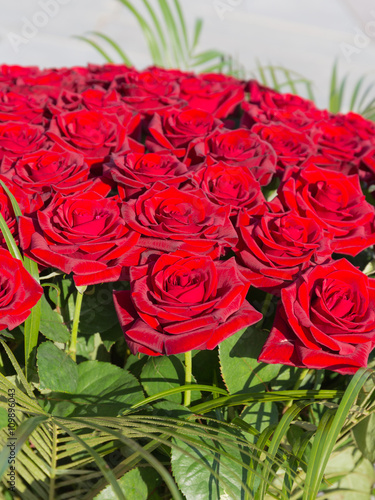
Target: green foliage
column 169, row 43
column 284, row 80
column 239, row 366
column 364, row 433
column 51, row 323
column 137, row 484
column 361, row 97
column 57, row 371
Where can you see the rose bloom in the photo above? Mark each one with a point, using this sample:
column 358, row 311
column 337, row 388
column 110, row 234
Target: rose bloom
column 46, row 172
column 266, row 106
column 148, row 92
column 230, row 185
column 336, row 141
column 240, row 148
column 183, row 302
column 19, row 138
column 335, row 201
column 277, row 247
column 19, row 292
column 213, row 93
column 326, row 320
column 292, row 146
column 175, row 130
column 135, row 172
column 83, row 234
column 169, row 219
column 93, row 134
column 18, row 107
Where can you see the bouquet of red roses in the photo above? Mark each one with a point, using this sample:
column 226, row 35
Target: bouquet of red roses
column 192, row 188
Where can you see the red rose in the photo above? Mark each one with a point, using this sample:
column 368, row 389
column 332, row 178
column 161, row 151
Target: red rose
column 19, row 138
column 230, row 185
column 46, row 172
column 19, row 107
column 135, row 172
column 9, row 74
column 335, row 141
column 277, row 247
column 326, row 320
column 92, row 133
column 147, row 92
column 83, row 234
column 26, row 204
column 240, row 148
column 268, row 106
column 292, row 147
column 104, row 75
column 183, row 302
column 175, row 130
column 335, row 201
column 168, row 219
column 213, row 93
column 19, row 292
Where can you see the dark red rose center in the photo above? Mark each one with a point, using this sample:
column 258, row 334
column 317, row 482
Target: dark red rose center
column 328, row 195
column 186, row 286
column 88, row 222
column 338, row 298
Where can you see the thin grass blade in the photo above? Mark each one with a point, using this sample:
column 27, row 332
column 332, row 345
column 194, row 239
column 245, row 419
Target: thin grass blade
column 115, row 46
column 95, row 46
column 330, row 433
column 156, row 53
column 197, row 33
column 174, row 36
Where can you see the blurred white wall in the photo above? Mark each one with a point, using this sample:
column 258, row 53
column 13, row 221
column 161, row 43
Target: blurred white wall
column 301, row 35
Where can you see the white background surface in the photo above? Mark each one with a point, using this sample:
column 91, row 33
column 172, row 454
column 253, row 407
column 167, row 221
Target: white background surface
column 302, row 35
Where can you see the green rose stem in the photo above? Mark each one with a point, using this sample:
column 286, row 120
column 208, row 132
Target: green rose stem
column 72, row 351
column 188, row 377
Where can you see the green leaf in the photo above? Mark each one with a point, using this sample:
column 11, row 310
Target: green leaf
column 21, row 435
column 162, row 373
column 209, row 474
column 57, row 371
column 137, row 484
column 3, row 418
column 51, row 324
column 357, row 475
column 100, row 462
column 102, row 390
column 364, row 435
column 9, row 240
column 239, row 366
column 260, row 415
column 31, row 330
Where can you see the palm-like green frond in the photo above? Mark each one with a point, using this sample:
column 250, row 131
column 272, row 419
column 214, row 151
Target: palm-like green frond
column 168, row 40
